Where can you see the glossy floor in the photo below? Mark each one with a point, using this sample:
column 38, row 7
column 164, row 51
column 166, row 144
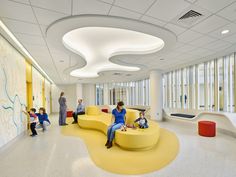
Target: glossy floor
column 51, row 154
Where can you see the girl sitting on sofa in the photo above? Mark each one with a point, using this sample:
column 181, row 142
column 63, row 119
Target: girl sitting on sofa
column 142, row 121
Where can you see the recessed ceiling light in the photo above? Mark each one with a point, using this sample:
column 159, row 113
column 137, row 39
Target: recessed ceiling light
column 224, row 31
column 126, row 42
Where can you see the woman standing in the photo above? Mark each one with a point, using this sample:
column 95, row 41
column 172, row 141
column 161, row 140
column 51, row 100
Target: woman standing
column 118, row 117
column 63, row 108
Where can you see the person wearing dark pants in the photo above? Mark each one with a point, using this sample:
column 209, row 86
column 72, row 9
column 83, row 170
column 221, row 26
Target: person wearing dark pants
column 62, row 110
column 118, row 121
column 33, row 120
column 32, row 128
column 80, row 110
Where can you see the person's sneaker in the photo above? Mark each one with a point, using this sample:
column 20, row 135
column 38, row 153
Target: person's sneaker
column 64, row 124
column 74, row 122
column 109, row 145
column 33, row 135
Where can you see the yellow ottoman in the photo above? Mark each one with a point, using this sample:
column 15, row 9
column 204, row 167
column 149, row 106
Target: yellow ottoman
column 132, row 139
column 131, row 116
column 92, row 110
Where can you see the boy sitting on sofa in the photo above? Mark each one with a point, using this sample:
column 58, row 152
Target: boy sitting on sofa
column 142, row 121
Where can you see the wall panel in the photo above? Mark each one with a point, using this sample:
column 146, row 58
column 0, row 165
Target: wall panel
column 12, row 92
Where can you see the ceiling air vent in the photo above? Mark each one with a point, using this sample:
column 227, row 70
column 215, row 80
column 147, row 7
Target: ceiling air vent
column 190, row 17
column 190, row 14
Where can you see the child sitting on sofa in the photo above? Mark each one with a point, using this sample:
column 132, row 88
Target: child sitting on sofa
column 142, row 121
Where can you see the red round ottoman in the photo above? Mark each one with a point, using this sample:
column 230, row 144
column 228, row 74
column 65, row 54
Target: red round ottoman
column 69, row 114
column 105, row 110
column 207, row 128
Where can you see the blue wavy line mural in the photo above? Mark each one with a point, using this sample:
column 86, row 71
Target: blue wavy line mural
column 13, row 102
column 13, row 121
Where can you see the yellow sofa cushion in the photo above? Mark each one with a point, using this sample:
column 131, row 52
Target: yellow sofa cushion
column 132, row 139
column 131, row 116
column 92, row 110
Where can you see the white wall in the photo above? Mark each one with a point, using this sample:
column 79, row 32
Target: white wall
column 55, row 95
column 72, row 93
column 89, row 94
column 79, row 91
column 12, row 92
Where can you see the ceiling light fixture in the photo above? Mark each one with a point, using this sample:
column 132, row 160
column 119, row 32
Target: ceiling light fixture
column 98, row 44
column 225, row 31
column 26, row 53
column 61, row 61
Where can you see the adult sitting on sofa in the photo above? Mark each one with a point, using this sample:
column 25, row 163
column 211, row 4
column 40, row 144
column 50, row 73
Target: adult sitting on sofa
column 80, row 110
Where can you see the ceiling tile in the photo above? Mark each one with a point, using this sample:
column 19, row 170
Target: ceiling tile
column 63, row 6
column 217, row 33
column 43, row 29
column 16, row 26
column 116, row 11
column 16, row 11
column 29, row 39
column 140, row 7
column 46, row 17
column 174, row 28
column 92, row 7
column 231, row 39
column 229, row 12
column 153, row 20
column 37, row 50
column 178, row 44
column 202, row 41
column 217, row 45
column 185, row 48
column 107, row 1
column 210, row 24
column 213, row 5
column 189, row 36
column 167, row 9
column 200, row 52
column 22, row 1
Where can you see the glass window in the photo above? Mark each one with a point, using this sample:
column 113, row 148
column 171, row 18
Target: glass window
column 131, row 93
column 206, row 86
column 201, row 96
column 220, row 85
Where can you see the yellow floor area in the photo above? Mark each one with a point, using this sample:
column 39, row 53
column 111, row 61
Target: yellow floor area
column 121, row 161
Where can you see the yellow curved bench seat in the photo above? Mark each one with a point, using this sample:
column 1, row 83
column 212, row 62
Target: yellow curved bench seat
column 132, row 139
column 138, row 139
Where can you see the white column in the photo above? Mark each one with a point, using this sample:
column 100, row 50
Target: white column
column 106, row 94
column 156, row 95
column 79, row 91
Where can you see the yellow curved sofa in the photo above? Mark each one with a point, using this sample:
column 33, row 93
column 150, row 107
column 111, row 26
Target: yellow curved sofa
column 132, row 139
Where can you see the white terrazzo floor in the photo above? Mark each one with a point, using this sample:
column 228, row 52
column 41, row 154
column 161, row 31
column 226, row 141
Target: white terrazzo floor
column 53, row 155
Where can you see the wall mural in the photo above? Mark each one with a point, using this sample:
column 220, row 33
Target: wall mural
column 12, row 92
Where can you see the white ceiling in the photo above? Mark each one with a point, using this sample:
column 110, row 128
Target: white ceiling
column 29, row 19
